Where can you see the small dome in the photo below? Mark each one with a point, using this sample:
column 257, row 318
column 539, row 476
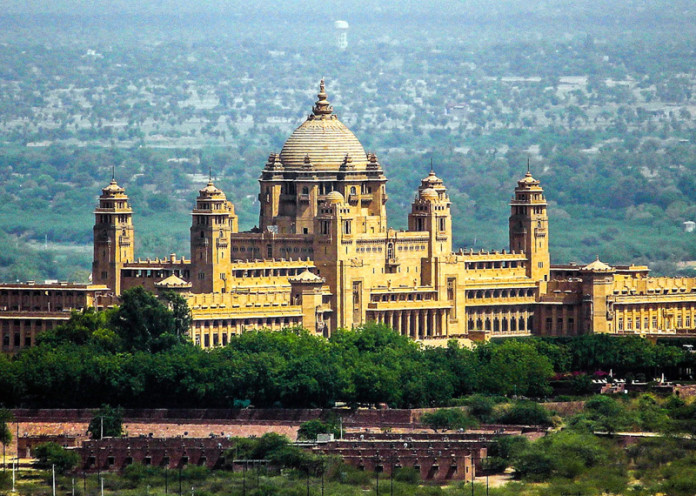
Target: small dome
column 173, row 282
column 305, row 277
column 432, row 178
column 210, row 190
column 597, row 266
column 335, row 197
column 428, row 194
column 528, row 180
column 113, row 189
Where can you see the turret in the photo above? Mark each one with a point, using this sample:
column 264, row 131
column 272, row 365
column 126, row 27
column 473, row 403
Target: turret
column 212, row 223
column 113, row 236
column 529, row 231
column 430, row 211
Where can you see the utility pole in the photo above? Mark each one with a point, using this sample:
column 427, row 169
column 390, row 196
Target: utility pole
column 179, row 480
column 166, row 480
column 13, row 476
column 53, row 470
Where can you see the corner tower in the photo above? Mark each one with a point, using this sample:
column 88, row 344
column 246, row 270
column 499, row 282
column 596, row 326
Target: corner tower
column 430, row 212
column 113, row 236
column 212, row 223
column 529, row 231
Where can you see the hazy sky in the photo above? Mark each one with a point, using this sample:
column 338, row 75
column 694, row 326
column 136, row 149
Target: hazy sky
column 328, row 7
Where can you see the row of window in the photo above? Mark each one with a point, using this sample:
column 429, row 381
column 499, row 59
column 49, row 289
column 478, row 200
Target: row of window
column 279, row 272
column 570, row 324
column 402, row 297
column 502, row 264
column 680, row 323
column 501, row 324
column 500, row 293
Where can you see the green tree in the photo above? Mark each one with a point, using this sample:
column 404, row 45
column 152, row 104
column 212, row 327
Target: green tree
column 109, row 419
column 144, row 323
column 180, row 311
column 312, row 428
column 525, row 413
column 5, row 433
column 448, row 418
column 51, row 454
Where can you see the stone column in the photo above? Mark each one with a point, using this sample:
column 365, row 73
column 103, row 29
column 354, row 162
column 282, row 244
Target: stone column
column 399, row 328
column 22, row 333
column 408, row 323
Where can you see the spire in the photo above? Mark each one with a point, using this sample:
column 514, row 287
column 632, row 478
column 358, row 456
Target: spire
column 528, row 172
column 432, row 171
column 322, row 106
column 113, row 172
column 210, row 174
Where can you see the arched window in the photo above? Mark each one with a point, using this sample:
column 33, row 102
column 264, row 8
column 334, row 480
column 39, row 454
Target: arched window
column 390, row 250
column 352, row 190
column 305, row 190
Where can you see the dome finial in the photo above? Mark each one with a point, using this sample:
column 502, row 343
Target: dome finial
column 528, row 171
column 322, row 106
column 113, row 172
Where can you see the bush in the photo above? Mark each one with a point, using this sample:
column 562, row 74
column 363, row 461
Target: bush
column 525, row 413
column 448, row 418
column 49, row 454
column 407, row 474
column 310, row 429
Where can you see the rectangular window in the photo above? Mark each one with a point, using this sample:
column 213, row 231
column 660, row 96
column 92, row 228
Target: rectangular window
column 549, row 324
column 629, row 324
column 679, row 321
column 654, row 322
column 620, row 324
column 688, row 321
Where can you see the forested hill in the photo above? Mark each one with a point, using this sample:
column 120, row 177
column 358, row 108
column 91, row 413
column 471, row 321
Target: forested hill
column 602, row 106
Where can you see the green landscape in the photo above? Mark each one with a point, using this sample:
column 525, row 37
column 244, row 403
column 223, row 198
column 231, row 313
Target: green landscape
column 111, row 357
column 600, row 101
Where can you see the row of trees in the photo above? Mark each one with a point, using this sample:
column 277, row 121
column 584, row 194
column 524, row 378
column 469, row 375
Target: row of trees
column 137, row 356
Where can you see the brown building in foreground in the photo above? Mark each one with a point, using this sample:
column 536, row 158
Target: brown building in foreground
column 324, row 257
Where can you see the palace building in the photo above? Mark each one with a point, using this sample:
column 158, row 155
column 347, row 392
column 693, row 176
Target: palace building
column 324, row 257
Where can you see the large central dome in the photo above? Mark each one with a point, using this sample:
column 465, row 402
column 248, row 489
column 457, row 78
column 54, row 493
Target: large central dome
column 323, row 141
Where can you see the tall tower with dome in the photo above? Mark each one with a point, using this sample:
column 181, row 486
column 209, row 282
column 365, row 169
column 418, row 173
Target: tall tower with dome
column 321, row 156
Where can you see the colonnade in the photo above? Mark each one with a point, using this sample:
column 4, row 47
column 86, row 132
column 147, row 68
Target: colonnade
column 417, row 323
column 500, row 319
column 654, row 318
column 218, row 332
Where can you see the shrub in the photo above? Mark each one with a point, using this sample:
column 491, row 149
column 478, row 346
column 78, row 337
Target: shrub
column 50, row 454
column 448, row 418
column 407, row 474
column 525, row 413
